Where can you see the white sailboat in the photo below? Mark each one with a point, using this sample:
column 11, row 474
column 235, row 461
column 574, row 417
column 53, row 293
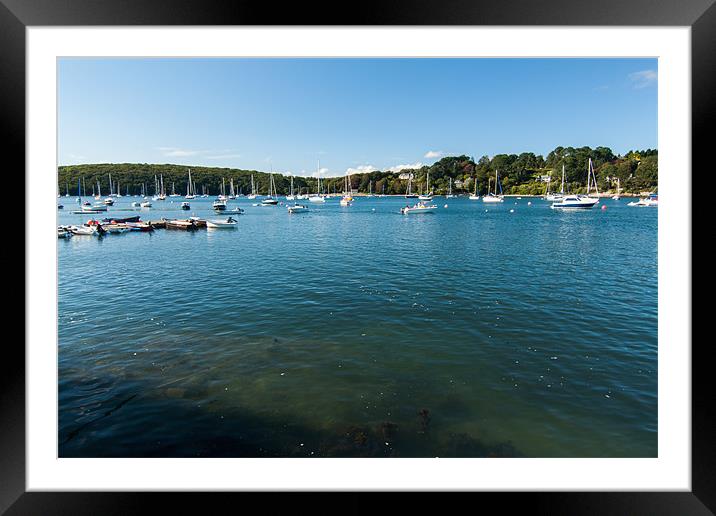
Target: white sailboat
column 617, row 196
column 409, row 191
column 556, row 196
column 428, row 196
column 291, row 197
column 347, row 198
column 493, row 197
column 318, row 198
column 270, row 200
column 449, row 194
column 252, row 195
column 475, row 196
column 190, row 193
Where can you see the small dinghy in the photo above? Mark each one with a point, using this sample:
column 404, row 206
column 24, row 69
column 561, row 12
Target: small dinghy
column 187, row 225
column 221, row 224
column 63, row 232
column 116, row 229
column 139, row 226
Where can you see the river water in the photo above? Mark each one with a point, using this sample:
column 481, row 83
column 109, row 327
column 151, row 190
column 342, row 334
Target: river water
column 480, row 330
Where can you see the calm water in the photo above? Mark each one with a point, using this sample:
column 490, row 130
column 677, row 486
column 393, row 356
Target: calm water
column 361, row 332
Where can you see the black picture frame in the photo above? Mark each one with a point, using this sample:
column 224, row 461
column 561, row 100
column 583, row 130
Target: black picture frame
column 16, row 15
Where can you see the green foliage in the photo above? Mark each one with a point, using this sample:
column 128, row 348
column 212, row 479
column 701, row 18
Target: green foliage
column 519, row 174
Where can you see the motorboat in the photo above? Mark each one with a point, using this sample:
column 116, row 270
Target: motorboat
column 575, row 202
column 146, row 204
column 185, row 206
column 297, row 208
column 651, row 201
column 63, row 232
column 219, row 205
column 581, row 202
column 94, row 208
column 418, row 208
column 121, row 220
column 109, row 201
column 85, row 230
column 229, row 223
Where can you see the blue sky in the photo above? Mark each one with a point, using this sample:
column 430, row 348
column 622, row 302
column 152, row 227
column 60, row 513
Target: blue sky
column 358, row 114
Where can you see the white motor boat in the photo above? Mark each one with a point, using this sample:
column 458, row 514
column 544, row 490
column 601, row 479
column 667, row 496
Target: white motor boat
column 269, row 201
column 63, row 232
column 297, row 208
column 418, row 208
column 492, row 198
column 109, row 201
column 317, row 199
column 219, row 205
column 652, row 201
column 185, row 206
column 94, row 208
column 84, row 230
column 229, row 223
column 145, row 204
column 575, row 202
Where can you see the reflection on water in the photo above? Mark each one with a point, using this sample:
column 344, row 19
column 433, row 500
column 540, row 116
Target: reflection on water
column 361, row 332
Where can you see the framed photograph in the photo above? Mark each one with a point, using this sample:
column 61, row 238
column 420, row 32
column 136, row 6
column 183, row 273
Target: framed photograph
column 434, row 249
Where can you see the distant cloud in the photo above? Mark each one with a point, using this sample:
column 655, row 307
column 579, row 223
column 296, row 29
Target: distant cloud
column 322, row 172
column 398, row 168
column 643, row 78
column 362, row 169
column 76, row 158
column 433, row 154
column 176, row 152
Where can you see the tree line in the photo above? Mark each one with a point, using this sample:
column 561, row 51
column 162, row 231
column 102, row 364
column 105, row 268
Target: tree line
column 523, row 174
